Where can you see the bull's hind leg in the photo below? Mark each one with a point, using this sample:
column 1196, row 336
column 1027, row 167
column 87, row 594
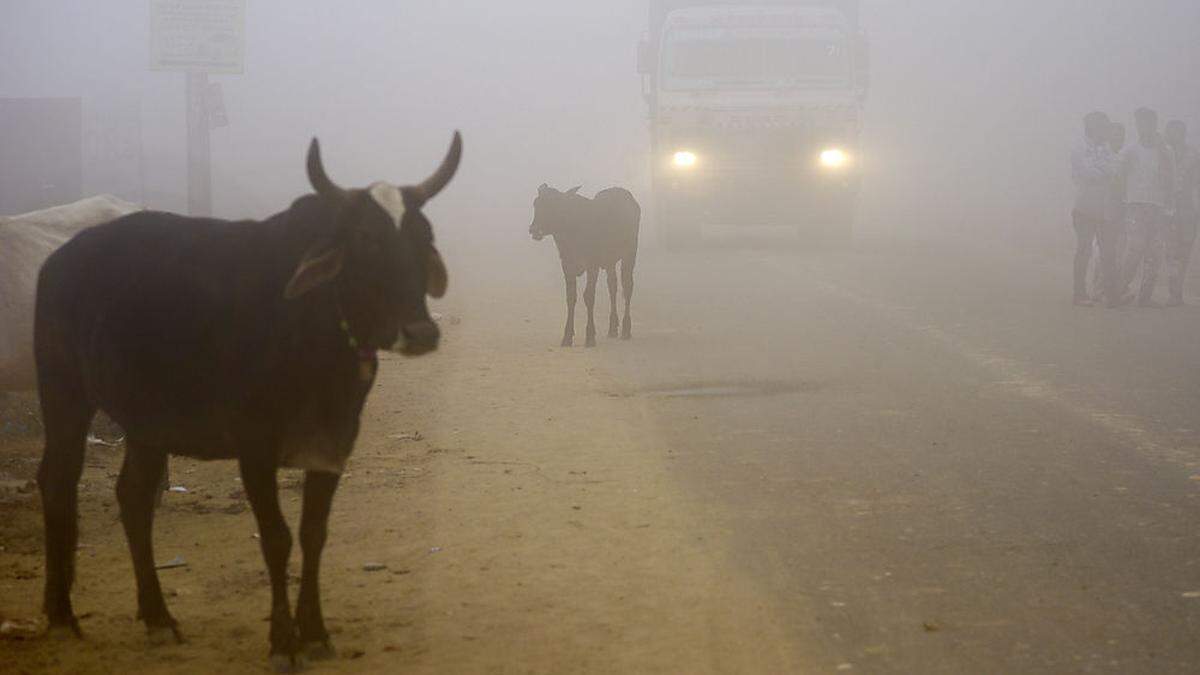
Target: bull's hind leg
column 589, row 299
column 66, row 415
column 614, row 323
column 263, row 493
column 627, row 266
column 314, row 521
column 137, row 489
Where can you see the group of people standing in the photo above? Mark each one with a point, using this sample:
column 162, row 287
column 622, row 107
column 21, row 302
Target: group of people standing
column 1139, row 204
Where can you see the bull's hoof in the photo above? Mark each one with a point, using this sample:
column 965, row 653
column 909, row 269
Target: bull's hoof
column 591, row 341
column 161, row 636
column 64, row 632
column 612, row 333
column 627, row 335
column 568, row 342
column 287, row 663
column 319, row 651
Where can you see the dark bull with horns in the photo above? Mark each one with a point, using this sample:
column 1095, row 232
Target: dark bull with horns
column 249, row 340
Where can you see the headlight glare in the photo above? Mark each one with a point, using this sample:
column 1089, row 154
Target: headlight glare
column 834, row 158
column 684, row 159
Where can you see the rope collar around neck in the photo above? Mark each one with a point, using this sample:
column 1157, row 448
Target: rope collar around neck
column 368, row 360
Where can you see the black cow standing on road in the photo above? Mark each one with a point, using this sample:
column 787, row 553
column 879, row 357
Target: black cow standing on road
column 211, row 339
column 591, row 234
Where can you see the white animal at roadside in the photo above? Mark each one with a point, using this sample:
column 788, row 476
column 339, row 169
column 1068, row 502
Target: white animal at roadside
column 25, row 243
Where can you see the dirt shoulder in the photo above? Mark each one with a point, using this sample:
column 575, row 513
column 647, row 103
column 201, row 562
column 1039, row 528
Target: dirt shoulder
column 534, row 526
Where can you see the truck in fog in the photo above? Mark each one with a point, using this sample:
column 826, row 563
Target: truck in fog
column 755, row 111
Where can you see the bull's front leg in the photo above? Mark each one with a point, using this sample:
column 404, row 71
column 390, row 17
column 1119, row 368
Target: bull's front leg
column 258, row 478
column 572, row 298
column 614, row 324
column 589, row 299
column 314, row 520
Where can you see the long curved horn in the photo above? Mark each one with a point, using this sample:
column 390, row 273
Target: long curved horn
column 318, row 178
column 434, row 184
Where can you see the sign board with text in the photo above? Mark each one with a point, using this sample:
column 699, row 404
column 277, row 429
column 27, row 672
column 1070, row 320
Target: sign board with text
column 200, row 36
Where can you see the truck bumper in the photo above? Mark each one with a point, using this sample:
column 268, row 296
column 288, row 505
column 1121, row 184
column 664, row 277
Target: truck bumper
column 754, row 199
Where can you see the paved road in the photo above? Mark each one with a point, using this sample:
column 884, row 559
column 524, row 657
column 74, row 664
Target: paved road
column 933, row 462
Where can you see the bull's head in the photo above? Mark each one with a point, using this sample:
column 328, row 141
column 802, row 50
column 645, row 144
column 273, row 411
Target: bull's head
column 381, row 256
column 551, row 210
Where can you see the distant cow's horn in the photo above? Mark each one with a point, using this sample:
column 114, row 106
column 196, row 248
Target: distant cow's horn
column 318, row 178
column 434, row 184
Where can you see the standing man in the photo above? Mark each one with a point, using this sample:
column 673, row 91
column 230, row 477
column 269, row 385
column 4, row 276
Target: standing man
column 1116, row 228
column 1093, row 168
column 1116, row 137
column 1187, row 209
column 1149, row 173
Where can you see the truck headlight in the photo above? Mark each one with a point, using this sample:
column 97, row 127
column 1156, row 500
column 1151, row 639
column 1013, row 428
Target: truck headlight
column 684, row 159
column 834, row 158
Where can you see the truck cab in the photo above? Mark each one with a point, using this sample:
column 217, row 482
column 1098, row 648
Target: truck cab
column 755, row 115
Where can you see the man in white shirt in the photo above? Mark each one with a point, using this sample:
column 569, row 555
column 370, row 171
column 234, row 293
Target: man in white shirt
column 1094, row 169
column 1182, row 230
column 1101, row 287
column 1149, row 172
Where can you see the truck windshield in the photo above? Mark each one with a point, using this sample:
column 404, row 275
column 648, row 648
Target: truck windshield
column 710, row 59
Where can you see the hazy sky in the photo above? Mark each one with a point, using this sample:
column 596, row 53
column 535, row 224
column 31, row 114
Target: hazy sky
column 973, row 109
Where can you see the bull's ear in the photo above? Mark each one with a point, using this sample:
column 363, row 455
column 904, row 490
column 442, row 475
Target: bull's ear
column 574, row 190
column 316, row 269
column 436, row 277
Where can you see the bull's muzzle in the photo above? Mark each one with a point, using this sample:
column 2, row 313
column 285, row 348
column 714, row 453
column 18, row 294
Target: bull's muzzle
column 417, row 338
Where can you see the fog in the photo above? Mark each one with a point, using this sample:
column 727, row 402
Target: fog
column 971, row 113
column 923, row 445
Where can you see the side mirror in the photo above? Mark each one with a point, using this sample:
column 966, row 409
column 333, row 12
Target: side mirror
column 646, row 58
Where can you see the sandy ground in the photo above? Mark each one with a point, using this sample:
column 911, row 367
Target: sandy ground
column 911, row 457
column 533, row 527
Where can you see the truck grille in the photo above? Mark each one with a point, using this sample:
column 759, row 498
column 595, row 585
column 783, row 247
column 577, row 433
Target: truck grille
column 755, row 150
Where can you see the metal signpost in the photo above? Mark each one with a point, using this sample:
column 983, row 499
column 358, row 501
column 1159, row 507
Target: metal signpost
column 199, row 37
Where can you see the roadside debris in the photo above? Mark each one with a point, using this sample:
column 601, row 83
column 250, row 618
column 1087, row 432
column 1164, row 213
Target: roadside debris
column 931, row 626
column 408, row 436
column 92, row 439
column 1191, row 594
column 374, row 567
column 18, row 629
column 178, row 489
column 435, row 549
column 177, row 561
column 15, row 485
